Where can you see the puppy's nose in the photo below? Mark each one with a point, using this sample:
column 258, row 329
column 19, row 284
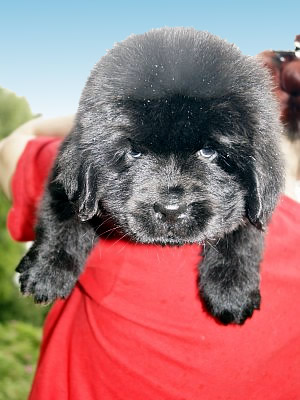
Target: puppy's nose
column 170, row 212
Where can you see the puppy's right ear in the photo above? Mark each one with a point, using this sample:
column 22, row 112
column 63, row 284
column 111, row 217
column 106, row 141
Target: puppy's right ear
column 254, row 202
column 78, row 178
column 264, row 184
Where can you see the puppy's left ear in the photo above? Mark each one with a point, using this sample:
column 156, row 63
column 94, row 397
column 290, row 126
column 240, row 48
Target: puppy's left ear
column 78, row 177
column 264, row 185
column 88, row 200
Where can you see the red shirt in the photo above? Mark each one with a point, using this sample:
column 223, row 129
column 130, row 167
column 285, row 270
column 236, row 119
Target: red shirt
column 134, row 328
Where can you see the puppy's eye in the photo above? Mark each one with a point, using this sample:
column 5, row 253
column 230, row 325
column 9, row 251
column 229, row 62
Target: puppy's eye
column 207, row 153
column 134, row 154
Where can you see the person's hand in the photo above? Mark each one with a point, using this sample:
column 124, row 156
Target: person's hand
column 13, row 145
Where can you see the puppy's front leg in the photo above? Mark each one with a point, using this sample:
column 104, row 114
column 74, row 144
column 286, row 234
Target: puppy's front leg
column 229, row 275
column 53, row 264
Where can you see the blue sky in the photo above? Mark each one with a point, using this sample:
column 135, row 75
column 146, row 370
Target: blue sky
column 49, row 47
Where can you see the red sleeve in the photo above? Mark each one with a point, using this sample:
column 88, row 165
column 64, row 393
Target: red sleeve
column 27, row 185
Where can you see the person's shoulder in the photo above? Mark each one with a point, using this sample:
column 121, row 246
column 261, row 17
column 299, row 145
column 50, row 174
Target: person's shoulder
column 282, row 250
column 290, row 209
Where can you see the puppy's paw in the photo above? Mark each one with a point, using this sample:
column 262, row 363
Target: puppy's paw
column 233, row 306
column 44, row 281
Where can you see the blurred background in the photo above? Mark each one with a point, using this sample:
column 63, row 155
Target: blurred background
column 47, row 51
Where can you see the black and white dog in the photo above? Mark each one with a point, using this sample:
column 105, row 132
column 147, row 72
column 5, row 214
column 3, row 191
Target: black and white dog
column 176, row 139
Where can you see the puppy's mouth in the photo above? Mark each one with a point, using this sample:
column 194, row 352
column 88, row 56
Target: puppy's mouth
column 169, row 237
column 166, row 226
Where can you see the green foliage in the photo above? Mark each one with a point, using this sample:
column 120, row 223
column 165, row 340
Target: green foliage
column 20, row 318
column 19, row 343
column 14, row 111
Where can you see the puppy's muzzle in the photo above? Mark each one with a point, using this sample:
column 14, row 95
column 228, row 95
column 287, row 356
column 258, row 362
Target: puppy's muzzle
column 171, row 212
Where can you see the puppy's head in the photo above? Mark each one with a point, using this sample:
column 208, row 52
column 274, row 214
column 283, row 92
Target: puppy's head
column 175, row 139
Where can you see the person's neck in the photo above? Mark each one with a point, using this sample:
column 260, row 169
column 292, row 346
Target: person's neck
column 291, row 152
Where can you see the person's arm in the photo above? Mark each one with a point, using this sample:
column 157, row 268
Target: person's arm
column 13, row 146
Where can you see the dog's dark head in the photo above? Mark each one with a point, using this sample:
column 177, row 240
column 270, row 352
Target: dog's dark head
column 175, row 139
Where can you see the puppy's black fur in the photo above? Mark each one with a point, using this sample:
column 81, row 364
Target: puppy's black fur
column 175, row 141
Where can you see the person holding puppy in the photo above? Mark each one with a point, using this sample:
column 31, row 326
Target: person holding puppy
column 121, row 336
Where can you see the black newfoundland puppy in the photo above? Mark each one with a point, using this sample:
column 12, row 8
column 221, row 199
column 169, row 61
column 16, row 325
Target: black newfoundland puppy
column 175, row 141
